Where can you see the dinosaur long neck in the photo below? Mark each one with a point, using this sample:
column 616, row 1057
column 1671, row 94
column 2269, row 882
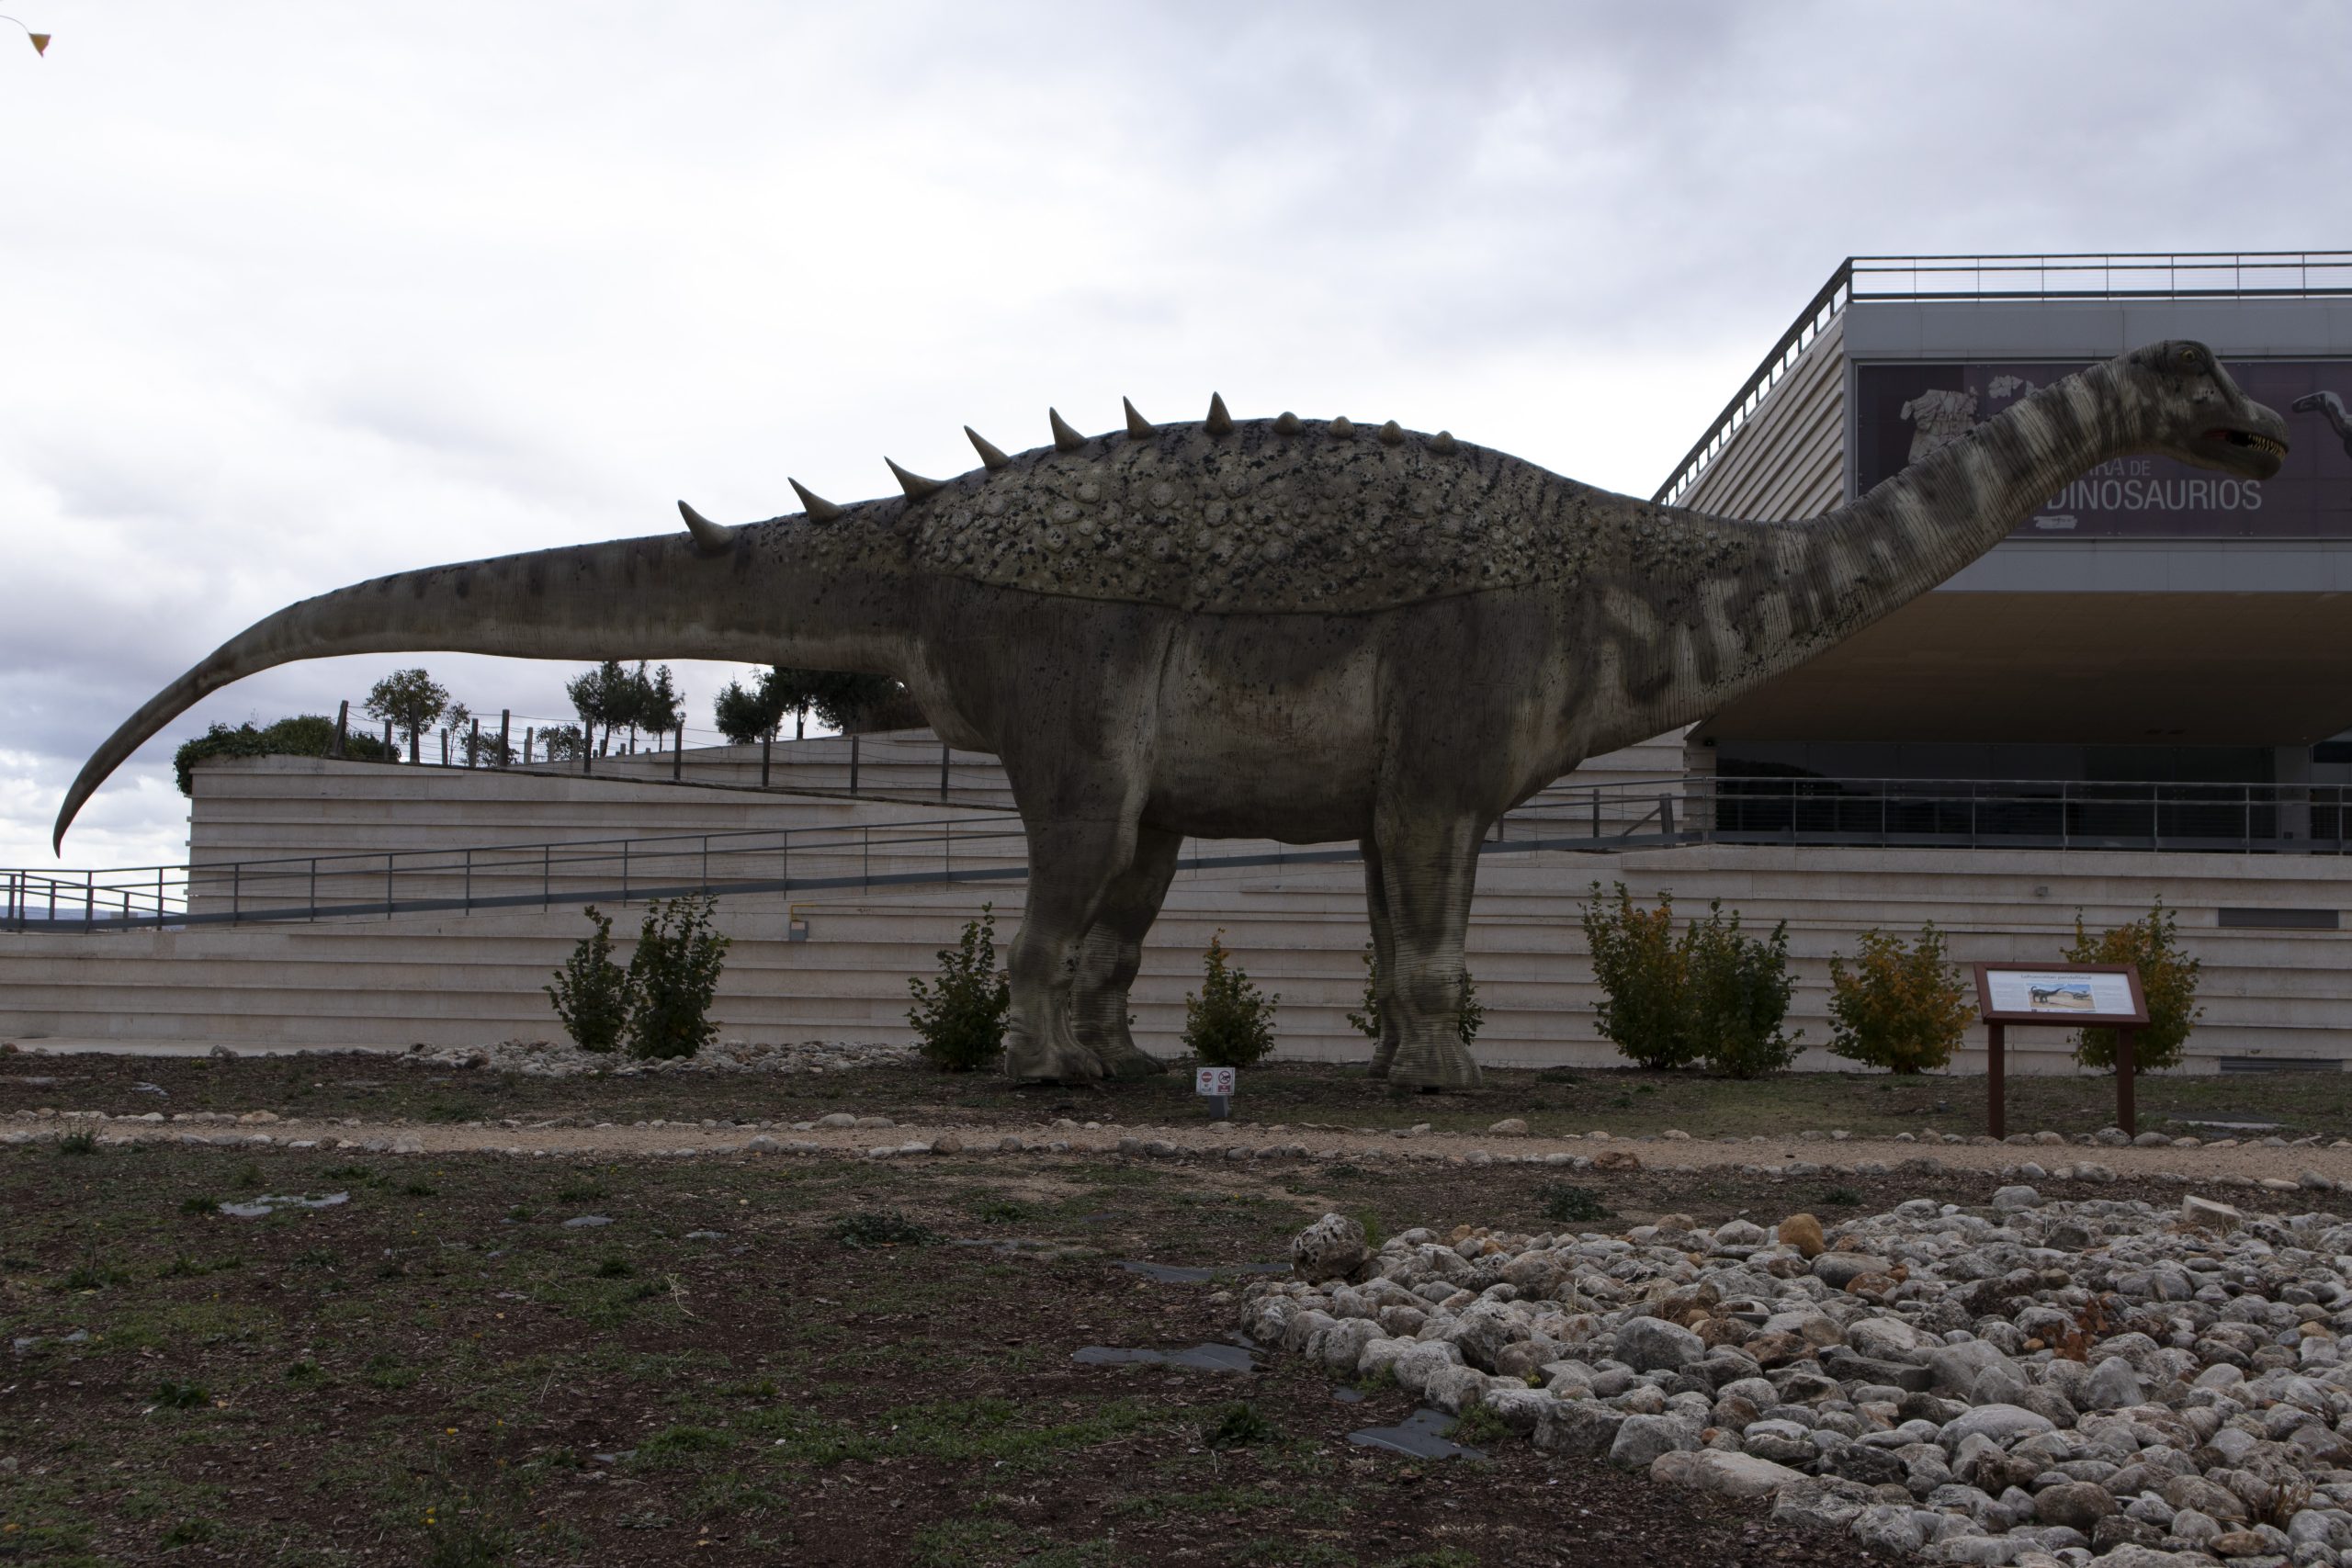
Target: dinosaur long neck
column 1802, row 586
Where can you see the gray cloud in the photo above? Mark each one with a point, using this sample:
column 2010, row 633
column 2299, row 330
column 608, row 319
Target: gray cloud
column 306, row 294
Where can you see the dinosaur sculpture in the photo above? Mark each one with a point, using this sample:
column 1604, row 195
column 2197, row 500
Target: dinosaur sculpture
column 1305, row 630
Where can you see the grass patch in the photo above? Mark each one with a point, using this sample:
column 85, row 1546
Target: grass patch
column 1238, row 1426
column 78, row 1144
column 182, row 1395
column 880, row 1227
column 585, row 1190
column 1570, row 1205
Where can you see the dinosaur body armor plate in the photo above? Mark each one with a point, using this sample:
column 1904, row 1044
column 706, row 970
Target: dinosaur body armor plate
column 1320, row 516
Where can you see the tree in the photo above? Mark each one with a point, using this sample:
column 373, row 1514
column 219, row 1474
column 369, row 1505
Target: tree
column 601, row 697
column 563, row 743
column 748, row 714
column 1640, row 969
column 960, row 1022
column 662, row 707
column 412, row 700
column 2168, row 981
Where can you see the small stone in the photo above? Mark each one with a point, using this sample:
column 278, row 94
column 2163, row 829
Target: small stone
column 2015, row 1198
column 2112, row 1385
column 2078, row 1505
column 1509, row 1127
column 1333, row 1248
column 947, row 1144
column 1651, row 1344
column 2196, row 1210
column 1804, row 1232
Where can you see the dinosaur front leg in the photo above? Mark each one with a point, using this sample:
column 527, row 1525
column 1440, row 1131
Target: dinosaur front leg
column 1428, row 872
column 1383, row 962
column 1113, row 951
column 1072, row 865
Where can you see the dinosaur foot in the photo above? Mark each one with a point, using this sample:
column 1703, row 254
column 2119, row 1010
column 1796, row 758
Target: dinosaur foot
column 1030, row 1058
column 1438, row 1065
column 1125, row 1061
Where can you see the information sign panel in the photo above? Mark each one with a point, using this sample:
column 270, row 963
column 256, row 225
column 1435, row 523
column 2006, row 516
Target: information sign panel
column 2067, row 996
column 1217, row 1082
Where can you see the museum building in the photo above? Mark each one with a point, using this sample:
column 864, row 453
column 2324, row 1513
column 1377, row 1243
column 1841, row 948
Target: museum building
column 2155, row 624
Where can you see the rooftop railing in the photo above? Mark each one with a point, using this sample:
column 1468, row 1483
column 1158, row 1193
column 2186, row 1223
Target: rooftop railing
column 2143, row 275
column 2238, row 818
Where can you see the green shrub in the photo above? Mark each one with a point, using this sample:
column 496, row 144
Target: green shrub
column 2168, row 981
column 1737, row 993
column 1467, row 1022
column 1638, row 965
column 673, row 977
column 306, row 735
column 960, row 1019
column 182, row 1395
column 78, row 1144
column 591, row 992
column 1230, row 1023
column 1901, row 1006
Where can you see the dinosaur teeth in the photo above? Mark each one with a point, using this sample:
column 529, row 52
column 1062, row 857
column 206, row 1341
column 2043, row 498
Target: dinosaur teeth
column 991, row 457
column 709, row 537
column 1137, row 426
column 1287, row 422
column 1220, row 421
column 819, row 509
column 1065, row 438
column 1392, row 433
column 915, row 485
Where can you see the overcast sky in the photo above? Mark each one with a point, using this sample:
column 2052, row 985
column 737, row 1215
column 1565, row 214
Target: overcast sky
column 297, row 293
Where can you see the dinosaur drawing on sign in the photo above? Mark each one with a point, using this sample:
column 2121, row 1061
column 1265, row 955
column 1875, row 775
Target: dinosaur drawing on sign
column 2330, row 407
column 1306, row 630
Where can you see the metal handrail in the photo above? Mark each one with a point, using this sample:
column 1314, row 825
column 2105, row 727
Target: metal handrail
column 1865, row 279
column 1638, row 813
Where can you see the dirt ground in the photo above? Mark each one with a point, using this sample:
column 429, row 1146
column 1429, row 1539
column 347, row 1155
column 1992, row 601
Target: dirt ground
column 608, row 1352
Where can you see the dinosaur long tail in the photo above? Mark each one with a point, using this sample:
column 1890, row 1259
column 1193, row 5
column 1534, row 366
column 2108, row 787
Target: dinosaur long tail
column 697, row 595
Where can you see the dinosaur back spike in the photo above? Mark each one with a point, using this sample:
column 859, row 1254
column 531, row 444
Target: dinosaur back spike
column 992, row 458
column 1288, row 422
column 819, row 509
column 1392, row 433
column 1137, row 426
column 711, row 538
column 1065, row 438
column 915, row 485
column 1220, row 421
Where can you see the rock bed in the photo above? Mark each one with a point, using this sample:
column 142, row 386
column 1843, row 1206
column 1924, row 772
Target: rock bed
column 2032, row 1383
column 562, row 1058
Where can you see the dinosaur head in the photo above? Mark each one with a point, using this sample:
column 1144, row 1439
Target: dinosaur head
column 2196, row 412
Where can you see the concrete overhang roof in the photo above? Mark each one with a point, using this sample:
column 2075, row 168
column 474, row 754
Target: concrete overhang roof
column 2169, row 668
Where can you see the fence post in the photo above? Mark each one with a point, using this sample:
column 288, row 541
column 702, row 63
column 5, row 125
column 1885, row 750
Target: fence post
column 159, row 897
column 529, row 733
column 468, row 884
column 314, row 889
column 587, row 749
column 388, row 884
column 236, row 889
column 942, row 772
column 705, row 862
column 678, row 757
column 766, row 742
column 505, row 722
column 473, row 744
column 89, row 902
column 390, row 755
column 852, row 765
column 445, row 748
column 546, row 876
column 624, row 874
column 341, row 724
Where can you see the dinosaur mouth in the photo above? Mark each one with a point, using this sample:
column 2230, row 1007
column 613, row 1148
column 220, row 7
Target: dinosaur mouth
column 2250, row 440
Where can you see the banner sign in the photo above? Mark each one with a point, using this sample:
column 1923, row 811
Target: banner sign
column 1902, row 413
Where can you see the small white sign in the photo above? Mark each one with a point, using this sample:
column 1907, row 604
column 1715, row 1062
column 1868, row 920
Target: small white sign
column 1216, row 1082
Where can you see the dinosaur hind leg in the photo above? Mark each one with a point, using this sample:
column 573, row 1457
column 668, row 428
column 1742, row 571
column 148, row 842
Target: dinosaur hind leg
column 1383, row 962
column 1428, row 872
column 1072, row 865
column 1113, row 951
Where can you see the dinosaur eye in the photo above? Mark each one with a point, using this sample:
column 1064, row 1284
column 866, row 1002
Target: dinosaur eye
column 2188, row 357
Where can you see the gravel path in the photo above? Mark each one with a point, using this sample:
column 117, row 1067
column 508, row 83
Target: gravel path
column 2241, row 1161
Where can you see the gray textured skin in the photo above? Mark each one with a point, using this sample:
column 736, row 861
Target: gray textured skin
column 1303, row 631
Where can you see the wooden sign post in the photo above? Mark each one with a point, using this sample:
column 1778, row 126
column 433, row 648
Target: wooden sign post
column 2065, row 996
